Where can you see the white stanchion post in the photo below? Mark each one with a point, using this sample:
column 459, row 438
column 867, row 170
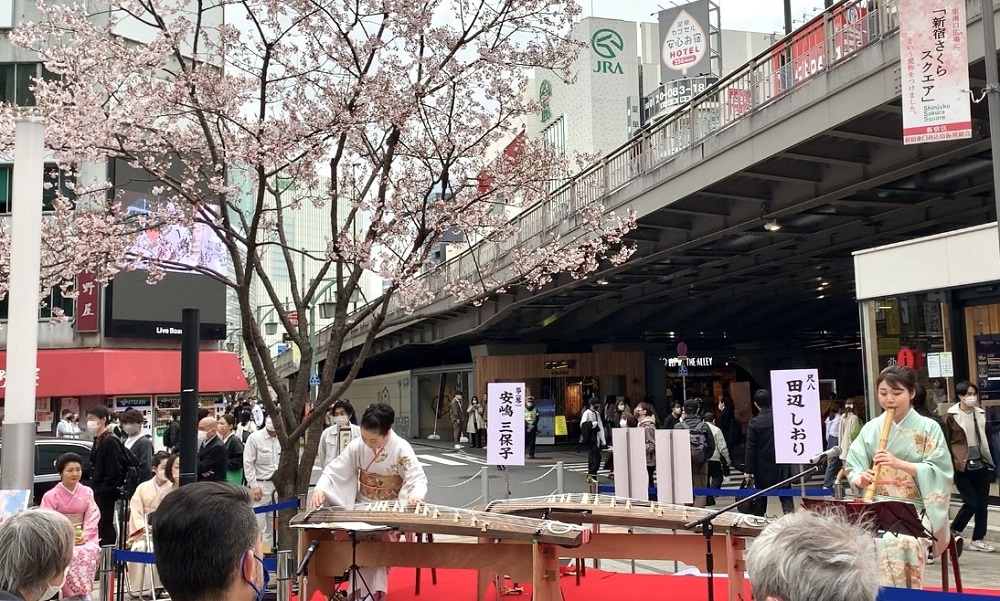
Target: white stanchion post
column 484, row 473
column 17, row 471
column 560, row 478
column 284, row 575
column 106, row 573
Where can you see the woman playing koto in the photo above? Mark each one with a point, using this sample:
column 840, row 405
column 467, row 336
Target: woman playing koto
column 76, row 502
column 915, row 468
column 378, row 466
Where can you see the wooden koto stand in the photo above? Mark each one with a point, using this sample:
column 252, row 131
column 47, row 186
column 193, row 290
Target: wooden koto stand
column 333, row 556
column 683, row 545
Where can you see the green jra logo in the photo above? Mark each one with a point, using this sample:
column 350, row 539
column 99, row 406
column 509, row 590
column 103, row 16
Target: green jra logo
column 607, row 45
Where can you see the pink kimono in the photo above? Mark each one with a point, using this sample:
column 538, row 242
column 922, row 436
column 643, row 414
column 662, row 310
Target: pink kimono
column 80, row 508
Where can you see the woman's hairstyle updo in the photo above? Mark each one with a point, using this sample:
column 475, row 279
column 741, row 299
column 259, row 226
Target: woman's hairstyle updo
column 899, row 376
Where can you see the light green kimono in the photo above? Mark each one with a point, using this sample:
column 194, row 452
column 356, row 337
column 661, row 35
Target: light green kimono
column 920, row 441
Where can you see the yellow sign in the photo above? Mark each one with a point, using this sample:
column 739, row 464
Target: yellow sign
column 561, row 429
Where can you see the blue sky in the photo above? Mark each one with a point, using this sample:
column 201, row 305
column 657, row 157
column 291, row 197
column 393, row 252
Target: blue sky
column 750, row 15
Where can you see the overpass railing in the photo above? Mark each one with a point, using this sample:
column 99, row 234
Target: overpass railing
column 832, row 38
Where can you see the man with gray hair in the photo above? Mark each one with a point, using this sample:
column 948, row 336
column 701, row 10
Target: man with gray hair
column 809, row 556
column 36, row 547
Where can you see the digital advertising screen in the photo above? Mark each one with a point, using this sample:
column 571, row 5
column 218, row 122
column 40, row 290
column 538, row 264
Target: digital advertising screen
column 136, row 309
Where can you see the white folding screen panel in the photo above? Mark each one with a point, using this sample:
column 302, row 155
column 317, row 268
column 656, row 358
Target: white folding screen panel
column 673, row 467
column 631, row 478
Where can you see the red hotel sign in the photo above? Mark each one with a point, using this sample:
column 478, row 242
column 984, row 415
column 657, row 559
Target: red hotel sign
column 88, row 303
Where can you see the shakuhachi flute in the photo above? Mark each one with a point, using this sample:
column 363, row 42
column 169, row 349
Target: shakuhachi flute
column 870, row 491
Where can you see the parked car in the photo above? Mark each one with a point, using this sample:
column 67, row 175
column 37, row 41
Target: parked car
column 47, row 450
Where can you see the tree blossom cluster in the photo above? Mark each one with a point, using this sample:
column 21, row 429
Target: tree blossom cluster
column 379, row 112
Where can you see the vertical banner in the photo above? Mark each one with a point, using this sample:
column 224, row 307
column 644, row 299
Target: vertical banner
column 798, row 426
column 631, row 477
column 934, row 57
column 674, row 483
column 87, row 303
column 505, row 424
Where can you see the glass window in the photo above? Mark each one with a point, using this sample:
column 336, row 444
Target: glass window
column 57, row 181
column 16, row 82
column 5, row 187
column 47, row 453
column 56, row 299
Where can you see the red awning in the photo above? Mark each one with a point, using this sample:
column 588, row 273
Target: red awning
column 112, row 372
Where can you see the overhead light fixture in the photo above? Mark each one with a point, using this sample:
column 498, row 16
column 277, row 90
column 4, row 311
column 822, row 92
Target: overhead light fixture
column 772, row 225
column 602, row 282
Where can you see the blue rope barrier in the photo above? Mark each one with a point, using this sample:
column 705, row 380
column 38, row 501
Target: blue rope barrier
column 124, row 556
column 270, row 563
column 905, row 594
column 739, row 492
column 293, row 504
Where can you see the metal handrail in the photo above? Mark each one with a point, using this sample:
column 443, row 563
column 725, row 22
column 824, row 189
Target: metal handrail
column 842, row 31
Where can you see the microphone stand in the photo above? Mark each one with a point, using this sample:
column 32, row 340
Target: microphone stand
column 708, row 530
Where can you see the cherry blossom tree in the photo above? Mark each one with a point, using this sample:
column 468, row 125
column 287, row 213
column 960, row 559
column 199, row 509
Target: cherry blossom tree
column 380, row 112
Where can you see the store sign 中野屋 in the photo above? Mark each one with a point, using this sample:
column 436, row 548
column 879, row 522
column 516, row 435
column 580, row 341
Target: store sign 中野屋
column 934, row 57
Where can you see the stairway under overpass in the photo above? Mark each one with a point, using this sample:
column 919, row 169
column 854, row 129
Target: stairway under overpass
column 823, row 157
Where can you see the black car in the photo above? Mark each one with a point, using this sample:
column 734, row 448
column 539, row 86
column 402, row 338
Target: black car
column 47, row 450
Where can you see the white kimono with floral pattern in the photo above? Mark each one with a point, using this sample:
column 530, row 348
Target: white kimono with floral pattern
column 358, row 476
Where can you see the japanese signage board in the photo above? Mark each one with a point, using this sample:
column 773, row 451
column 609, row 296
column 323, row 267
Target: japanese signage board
column 505, row 424
column 684, row 41
column 934, row 57
column 87, row 303
column 798, row 426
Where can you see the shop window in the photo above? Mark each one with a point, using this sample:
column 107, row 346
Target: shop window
column 55, row 180
column 54, row 299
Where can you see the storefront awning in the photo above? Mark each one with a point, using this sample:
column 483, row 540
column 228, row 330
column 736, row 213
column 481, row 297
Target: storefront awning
column 112, row 372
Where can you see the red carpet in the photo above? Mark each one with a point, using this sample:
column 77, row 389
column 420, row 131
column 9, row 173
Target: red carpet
column 460, row 585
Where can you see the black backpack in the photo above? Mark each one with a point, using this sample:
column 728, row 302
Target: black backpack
column 702, row 442
column 132, row 472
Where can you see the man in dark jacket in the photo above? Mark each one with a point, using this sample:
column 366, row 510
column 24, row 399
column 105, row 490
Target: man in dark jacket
column 702, row 443
column 760, row 462
column 107, row 457
column 212, row 454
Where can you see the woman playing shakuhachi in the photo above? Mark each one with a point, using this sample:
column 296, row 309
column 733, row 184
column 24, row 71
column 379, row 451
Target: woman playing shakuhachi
column 915, row 468
column 76, row 502
column 378, row 466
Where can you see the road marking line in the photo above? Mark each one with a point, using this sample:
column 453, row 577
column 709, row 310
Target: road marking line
column 440, row 460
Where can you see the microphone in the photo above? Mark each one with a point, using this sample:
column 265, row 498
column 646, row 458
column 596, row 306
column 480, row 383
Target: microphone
column 827, row 455
column 305, row 558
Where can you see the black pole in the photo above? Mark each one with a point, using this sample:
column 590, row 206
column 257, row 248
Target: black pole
column 190, row 341
column 788, row 17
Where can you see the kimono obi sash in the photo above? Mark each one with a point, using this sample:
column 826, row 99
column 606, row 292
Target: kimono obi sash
column 896, row 484
column 379, row 487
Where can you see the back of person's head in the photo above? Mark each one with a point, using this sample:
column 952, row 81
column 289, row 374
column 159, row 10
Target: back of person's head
column 207, row 543
column 809, row 556
column 36, row 547
column 709, row 417
column 762, row 398
column 692, row 406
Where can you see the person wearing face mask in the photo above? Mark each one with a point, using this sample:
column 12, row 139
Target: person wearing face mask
column 261, row 455
column 107, row 458
column 67, row 428
column 140, row 444
column 378, row 466
column 973, row 462
column 76, row 502
column 142, row 579
column 207, row 544
column 212, row 457
column 330, row 441
column 37, row 548
column 530, row 426
column 475, row 424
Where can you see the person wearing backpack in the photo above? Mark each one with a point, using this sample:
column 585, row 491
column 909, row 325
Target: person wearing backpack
column 140, row 444
column 107, row 456
column 702, row 445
